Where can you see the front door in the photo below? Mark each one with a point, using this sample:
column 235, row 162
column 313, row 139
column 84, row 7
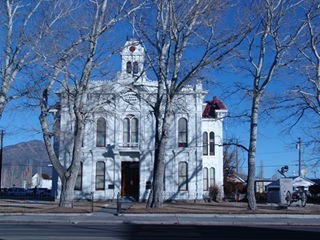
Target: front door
column 130, row 179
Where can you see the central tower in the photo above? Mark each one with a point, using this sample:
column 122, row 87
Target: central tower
column 132, row 64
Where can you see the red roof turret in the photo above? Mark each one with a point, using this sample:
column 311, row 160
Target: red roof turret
column 212, row 106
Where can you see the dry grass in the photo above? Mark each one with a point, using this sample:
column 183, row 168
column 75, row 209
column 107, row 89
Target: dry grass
column 25, row 206
column 223, row 207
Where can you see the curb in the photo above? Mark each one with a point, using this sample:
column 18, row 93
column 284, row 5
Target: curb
column 239, row 216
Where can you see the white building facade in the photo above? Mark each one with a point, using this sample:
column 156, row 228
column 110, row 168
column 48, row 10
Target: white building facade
column 118, row 145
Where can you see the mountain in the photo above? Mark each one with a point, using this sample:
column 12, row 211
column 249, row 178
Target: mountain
column 21, row 161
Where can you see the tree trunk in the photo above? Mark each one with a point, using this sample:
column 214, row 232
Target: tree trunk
column 3, row 102
column 252, row 152
column 158, row 175
column 161, row 140
column 67, row 191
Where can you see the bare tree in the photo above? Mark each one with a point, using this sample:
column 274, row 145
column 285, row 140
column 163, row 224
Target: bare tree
column 268, row 50
column 71, row 71
column 304, row 97
column 183, row 39
column 231, row 160
column 24, row 25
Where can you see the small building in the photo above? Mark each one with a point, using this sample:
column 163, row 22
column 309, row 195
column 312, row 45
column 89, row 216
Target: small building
column 41, row 181
column 235, row 185
column 278, row 191
column 303, row 182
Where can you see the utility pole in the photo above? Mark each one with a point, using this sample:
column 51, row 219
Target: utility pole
column 237, row 157
column 299, row 146
column 1, row 155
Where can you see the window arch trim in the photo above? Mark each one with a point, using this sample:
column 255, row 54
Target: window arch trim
column 212, row 143
column 135, row 68
column 101, row 132
column 183, row 176
column 212, row 176
column 100, row 175
column 130, row 131
column 205, row 143
column 129, row 67
column 182, row 132
column 205, row 179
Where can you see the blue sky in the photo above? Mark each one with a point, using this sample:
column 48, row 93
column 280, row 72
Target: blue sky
column 275, row 149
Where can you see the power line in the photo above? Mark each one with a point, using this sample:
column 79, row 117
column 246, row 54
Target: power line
column 268, row 166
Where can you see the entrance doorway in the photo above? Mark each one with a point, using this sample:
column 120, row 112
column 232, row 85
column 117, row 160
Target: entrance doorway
column 130, row 180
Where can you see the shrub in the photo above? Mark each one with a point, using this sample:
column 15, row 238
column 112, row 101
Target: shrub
column 214, row 193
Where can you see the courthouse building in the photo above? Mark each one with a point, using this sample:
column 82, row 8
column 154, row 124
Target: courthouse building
column 118, row 145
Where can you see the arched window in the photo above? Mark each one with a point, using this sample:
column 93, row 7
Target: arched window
column 182, row 132
column 126, row 131
column 134, row 130
column 212, row 143
column 78, row 185
column 205, row 143
column 135, row 67
column 130, row 131
column 129, row 67
column 183, row 176
column 101, row 133
column 100, row 175
column 212, row 176
column 205, row 179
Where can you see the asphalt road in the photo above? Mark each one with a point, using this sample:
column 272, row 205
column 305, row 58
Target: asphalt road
column 58, row 231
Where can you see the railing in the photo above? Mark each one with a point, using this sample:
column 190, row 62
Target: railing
column 129, row 145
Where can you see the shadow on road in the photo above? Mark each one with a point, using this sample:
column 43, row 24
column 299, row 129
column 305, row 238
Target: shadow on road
column 141, row 231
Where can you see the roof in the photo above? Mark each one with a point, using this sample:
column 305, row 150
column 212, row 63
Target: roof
column 236, row 178
column 296, row 182
column 302, row 182
column 316, row 181
column 212, row 106
column 43, row 176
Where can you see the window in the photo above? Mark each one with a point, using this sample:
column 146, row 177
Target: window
column 212, row 176
column 78, row 185
column 126, row 131
column 212, row 144
column 130, row 131
column 134, row 130
column 101, row 132
column 205, row 179
column 129, row 67
column 182, row 132
column 183, row 176
column 100, row 175
column 205, row 143
column 135, row 68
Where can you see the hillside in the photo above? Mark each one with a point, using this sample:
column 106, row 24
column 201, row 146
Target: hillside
column 21, row 161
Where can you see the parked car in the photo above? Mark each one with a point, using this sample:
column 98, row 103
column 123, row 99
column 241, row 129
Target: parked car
column 16, row 192
column 3, row 191
column 30, row 192
column 42, row 193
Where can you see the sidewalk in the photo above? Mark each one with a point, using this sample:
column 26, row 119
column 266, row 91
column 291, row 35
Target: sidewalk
column 185, row 213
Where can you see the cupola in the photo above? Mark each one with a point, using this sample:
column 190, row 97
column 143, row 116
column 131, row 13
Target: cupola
column 133, row 55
